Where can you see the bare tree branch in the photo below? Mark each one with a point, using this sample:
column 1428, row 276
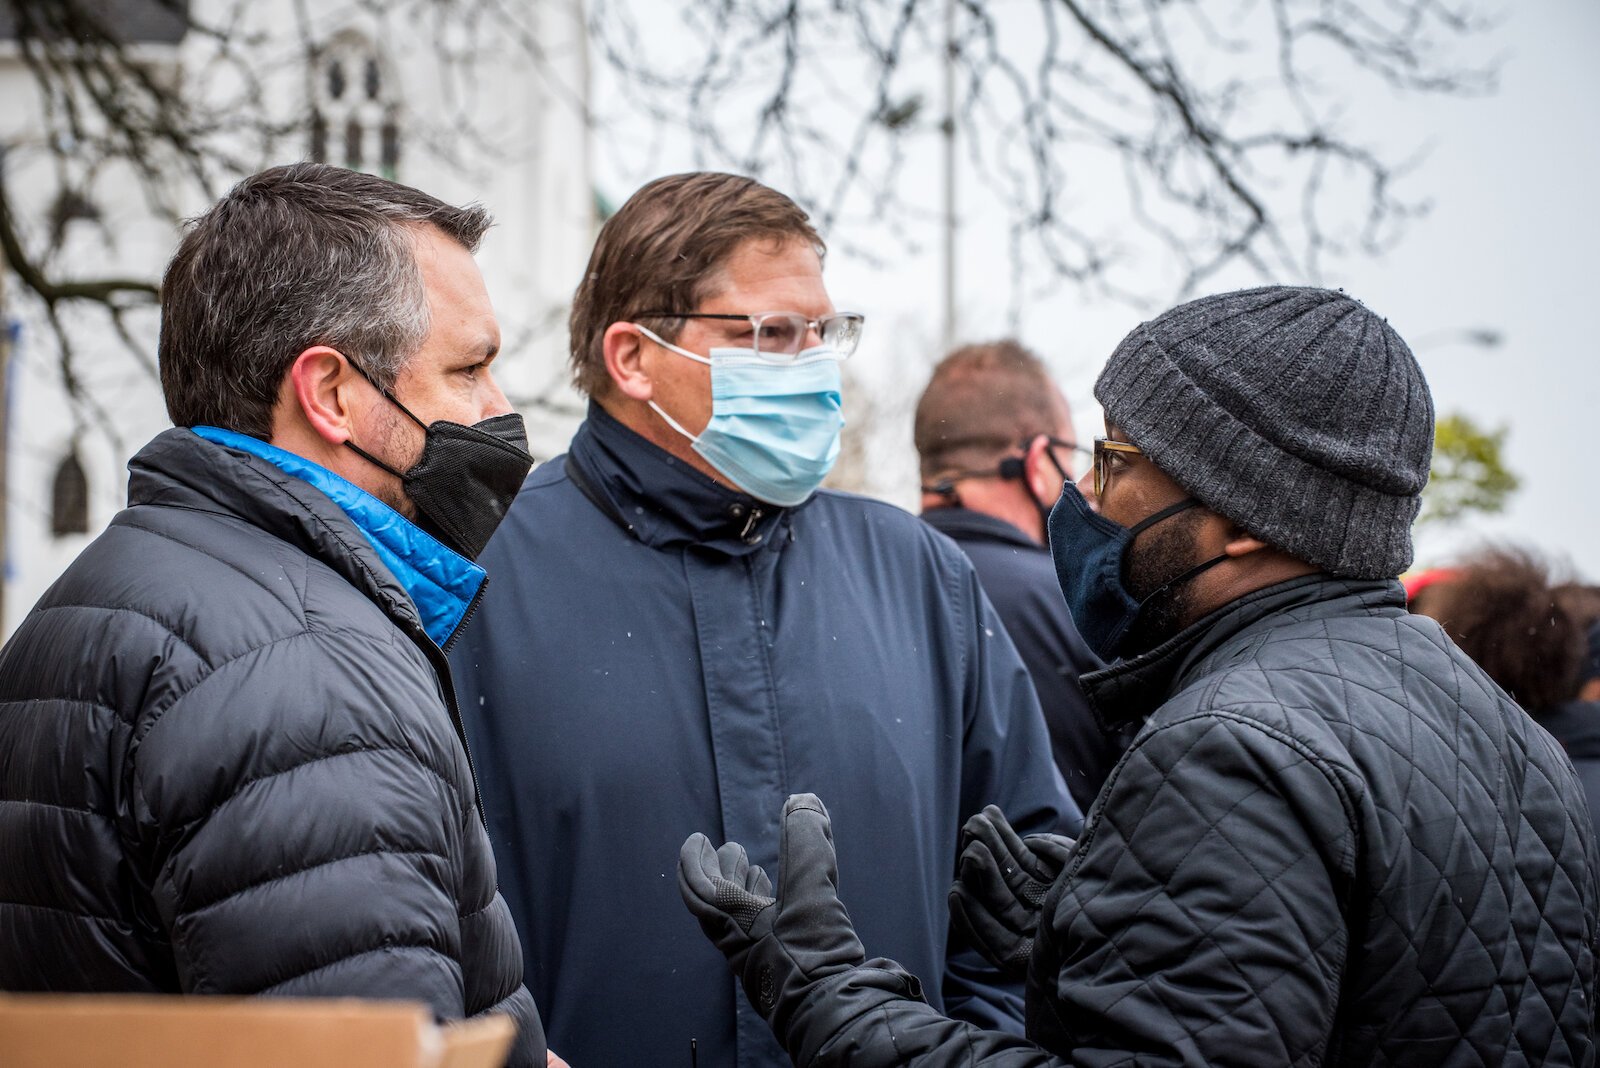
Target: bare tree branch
column 111, row 111
column 1138, row 147
column 107, row 291
column 1224, row 120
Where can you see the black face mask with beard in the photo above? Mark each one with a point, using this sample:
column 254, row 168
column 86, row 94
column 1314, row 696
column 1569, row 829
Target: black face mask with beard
column 1154, row 565
column 1098, row 572
column 466, row 479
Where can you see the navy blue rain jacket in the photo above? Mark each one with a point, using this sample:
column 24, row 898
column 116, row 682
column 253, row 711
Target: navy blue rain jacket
column 1019, row 575
column 670, row 656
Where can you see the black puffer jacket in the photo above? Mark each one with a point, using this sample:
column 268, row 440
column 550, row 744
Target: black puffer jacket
column 228, row 764
column 1333, row 841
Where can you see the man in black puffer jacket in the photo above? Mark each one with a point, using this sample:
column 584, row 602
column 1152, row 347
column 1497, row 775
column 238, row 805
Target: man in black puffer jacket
column 230, row 758
column 1333, row 839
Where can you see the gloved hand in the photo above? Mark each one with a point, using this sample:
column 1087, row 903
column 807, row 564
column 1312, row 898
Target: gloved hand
column 1001, row 882
column 778, row 947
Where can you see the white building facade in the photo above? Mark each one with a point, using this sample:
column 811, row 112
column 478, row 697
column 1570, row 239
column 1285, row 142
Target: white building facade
column 487, row 108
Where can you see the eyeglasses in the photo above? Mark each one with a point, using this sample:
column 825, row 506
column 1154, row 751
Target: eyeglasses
column 780, row 336
column 1077, row 457
column 1104, row 450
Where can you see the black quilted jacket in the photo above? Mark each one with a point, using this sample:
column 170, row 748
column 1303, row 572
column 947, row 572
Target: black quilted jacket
column 1333, row 841
column 228, row 764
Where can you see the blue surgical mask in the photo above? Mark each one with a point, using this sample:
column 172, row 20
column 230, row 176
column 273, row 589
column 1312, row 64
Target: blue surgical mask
column 1089, row 552
column 774, row 428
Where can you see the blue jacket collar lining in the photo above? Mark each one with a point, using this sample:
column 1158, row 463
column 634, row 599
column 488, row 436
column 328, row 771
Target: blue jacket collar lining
column 441, row 583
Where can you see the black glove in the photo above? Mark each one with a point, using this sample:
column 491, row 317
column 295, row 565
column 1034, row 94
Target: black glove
column 1001, row 881
column 778, row 947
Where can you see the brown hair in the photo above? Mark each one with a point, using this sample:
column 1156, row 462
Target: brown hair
column 290, row 258
column 1582, row 600
column 981, row 403
column 1500, row 609
column 661, row 252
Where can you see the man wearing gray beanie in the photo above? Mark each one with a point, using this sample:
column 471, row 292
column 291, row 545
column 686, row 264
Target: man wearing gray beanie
column 1333, row 839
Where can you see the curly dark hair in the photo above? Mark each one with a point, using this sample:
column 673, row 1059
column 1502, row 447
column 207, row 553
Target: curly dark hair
column 1501, row 609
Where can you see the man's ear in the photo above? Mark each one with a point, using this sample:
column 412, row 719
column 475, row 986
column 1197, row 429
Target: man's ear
column 625, row 355
column 1241, row 542
column 320, row 380
column 1041, row 472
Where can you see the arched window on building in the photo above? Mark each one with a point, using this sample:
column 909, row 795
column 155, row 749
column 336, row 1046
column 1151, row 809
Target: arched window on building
column 355, row 109
column 69, row 497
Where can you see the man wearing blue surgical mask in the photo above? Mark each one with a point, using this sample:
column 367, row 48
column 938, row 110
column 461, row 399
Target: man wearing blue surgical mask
column 687, row 630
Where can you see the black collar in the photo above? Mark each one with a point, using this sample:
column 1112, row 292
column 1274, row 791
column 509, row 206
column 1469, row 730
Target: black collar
column 661, row 500
column 961, row 522
column 1129, row 690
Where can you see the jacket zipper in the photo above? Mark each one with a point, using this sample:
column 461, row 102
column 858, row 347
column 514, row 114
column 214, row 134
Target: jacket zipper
column 461, row 732
column 472, row 608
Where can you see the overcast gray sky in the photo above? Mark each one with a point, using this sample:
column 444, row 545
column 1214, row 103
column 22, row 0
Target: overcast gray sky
column 1511, row 244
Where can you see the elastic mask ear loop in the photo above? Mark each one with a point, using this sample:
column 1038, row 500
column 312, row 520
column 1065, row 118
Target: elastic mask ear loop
column 1165, row 513
column 371, row 459
column 670, row 347
column 390, row 397
column 673, row 423
column 1193, row 572
column 945, row 490
column 1010, row 470
column 1062, row 471
column 1015, row 469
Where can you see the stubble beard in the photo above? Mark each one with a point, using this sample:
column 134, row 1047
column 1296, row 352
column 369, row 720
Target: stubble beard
column 396, row 444
column 1160, row 555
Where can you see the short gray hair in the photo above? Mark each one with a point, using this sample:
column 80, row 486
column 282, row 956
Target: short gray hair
column 296, row 256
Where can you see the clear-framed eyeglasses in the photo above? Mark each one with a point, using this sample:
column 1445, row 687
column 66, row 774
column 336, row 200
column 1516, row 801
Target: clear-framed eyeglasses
column 781, row 336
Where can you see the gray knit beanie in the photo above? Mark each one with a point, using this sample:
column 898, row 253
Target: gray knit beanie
column 1294, row 412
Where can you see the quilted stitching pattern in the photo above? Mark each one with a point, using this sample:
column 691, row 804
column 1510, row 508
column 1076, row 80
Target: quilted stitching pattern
column 1338, row 842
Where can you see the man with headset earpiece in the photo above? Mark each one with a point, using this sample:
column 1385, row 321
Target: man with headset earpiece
column 996, row 442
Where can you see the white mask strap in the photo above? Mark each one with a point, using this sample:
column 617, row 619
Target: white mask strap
column 673, row 423
column 647, row 332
